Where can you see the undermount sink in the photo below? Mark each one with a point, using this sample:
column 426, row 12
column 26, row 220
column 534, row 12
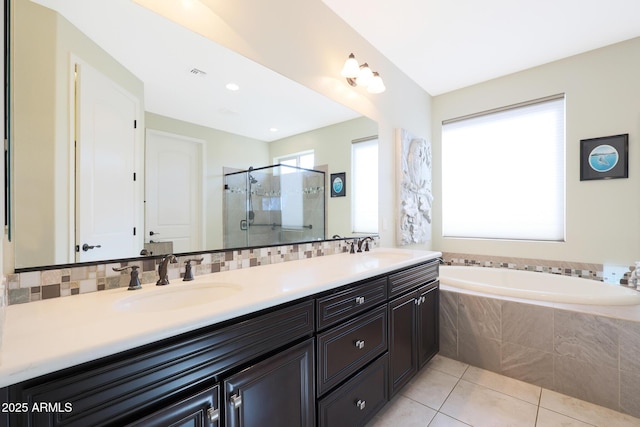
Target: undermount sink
column 175, row 297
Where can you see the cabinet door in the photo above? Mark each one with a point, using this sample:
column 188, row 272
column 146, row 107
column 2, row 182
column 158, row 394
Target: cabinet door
column 278, row 391
column 428, row 315
column 200, row 410
column 403, row 362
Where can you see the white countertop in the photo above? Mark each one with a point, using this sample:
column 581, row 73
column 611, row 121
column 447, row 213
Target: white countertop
column 46, row 336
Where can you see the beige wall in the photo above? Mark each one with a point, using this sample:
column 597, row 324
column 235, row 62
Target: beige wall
column 332, row 147
column 222, row 149
column 42, row 135
column 306, row 42
column 602, row 98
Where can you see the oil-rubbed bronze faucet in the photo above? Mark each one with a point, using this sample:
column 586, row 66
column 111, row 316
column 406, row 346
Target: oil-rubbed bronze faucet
column 366, row 243
column 162, row 269
column 134, row 281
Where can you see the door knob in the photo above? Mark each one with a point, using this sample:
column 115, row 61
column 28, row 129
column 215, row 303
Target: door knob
column 153, row 233
column 86, row 247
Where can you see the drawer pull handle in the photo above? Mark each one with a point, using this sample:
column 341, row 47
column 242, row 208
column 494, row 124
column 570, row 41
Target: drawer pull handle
column 236, row 400
column 361, row 404
column 360, row 344
column 359, row 300
column 213, row 415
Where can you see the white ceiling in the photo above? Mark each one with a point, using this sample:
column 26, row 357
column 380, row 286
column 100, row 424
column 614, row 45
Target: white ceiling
column 162, row 55
column 445, row 45
column 442, row 45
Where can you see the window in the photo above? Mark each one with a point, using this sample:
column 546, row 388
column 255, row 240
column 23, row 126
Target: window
column 303, row 159
column 503, row 173
column 364, row 184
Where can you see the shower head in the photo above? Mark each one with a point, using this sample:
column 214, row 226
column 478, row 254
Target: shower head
column 252, row 180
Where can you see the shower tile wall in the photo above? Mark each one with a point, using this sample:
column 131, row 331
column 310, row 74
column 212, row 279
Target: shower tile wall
column 53, row 283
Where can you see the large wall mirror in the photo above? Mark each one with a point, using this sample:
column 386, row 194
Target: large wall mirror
column 108, row 97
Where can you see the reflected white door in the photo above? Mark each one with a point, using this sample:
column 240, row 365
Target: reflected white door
column 173, row 191
column 105, row 160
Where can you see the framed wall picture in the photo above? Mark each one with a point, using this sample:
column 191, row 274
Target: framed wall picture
column 604, row 158
column 338, row 184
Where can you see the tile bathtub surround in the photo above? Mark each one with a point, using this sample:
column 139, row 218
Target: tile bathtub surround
column 54, row 283
column 587, row 356
column 566, row 268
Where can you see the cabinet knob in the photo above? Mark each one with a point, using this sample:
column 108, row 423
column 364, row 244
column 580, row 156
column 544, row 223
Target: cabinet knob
column 213, row 415
column 359, row 344
column 361, row 404
column 359, row 300
column 236, row 400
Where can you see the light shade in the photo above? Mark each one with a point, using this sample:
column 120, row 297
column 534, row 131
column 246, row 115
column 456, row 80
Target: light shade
column 376, row 85
column 351, row 69
column 365, row 75
column 362, row 75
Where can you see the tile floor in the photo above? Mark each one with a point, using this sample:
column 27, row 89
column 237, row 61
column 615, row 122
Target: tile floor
column 448, row 393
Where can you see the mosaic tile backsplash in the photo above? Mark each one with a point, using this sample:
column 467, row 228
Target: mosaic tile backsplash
column 566, row 268
column 54, row 283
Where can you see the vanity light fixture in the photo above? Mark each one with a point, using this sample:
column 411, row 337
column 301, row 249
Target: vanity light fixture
column 361, row 75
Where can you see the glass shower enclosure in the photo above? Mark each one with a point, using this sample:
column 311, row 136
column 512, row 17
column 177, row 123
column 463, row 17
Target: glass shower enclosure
column 272, row 205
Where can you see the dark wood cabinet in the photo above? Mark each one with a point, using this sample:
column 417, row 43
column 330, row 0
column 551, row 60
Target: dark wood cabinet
column 278, row 391
column 344, row 349
column 201, row 410
column 344, row 353
column 413, row 334
column 403, row 363
column 125, row 387
column 428, row 324
column 359, row 399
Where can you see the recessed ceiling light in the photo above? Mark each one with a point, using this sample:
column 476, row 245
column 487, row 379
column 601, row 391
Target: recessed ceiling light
column 232, row 86
column 273, row 129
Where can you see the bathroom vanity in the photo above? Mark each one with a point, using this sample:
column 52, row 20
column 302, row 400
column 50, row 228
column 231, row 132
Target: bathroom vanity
column 325, row 341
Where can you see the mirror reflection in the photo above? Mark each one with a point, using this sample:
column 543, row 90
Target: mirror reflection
column 122, row 123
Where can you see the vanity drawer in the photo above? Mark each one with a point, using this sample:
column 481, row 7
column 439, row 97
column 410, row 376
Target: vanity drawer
column 413, row 277
column 359, row 399
column 341, row 305
column 348, row 347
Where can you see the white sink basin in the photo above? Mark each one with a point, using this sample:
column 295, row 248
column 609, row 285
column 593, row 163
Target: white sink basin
column 175, row 297
column 389, row 254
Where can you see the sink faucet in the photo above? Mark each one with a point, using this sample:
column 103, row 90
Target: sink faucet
column 134, row 281
column 366, row 243
column 162, row 269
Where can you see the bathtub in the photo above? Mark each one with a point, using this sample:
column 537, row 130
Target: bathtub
column 537, row 286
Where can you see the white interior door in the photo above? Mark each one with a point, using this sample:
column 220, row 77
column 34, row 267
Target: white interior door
column 105, row 160
column 173, row 191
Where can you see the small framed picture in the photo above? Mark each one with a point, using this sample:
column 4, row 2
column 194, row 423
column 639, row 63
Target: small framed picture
column 604, row 158
column 338, row 184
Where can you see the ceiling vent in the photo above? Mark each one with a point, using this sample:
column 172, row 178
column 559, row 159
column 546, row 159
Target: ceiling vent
column 197, row 72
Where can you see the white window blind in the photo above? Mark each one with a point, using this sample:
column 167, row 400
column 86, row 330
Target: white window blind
column 503, row 173
column 364, row 184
